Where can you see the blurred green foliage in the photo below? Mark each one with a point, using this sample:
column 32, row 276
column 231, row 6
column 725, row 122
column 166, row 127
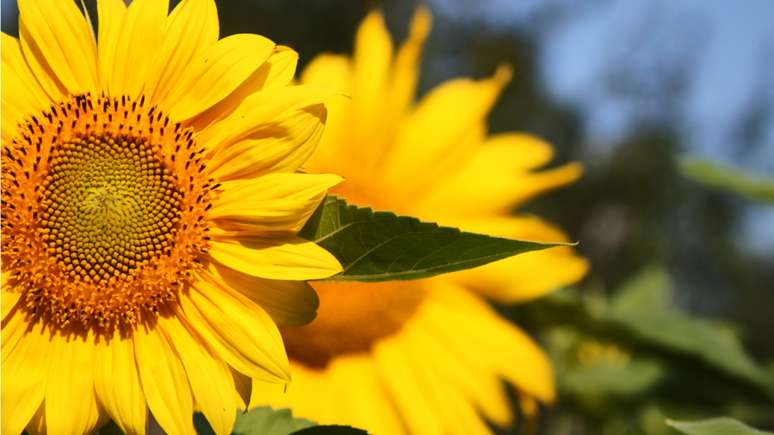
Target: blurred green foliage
column 730, row 179
column 715, row 426
column 626, row 362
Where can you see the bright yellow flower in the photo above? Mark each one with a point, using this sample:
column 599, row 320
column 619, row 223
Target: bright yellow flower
column 426, row 357
column 150, row 203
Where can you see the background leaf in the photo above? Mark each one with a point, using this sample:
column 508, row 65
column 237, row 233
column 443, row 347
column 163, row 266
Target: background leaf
column 380, row 246
column 266, row 421
column 715, row 426
column 730, row 179
column 642, row 308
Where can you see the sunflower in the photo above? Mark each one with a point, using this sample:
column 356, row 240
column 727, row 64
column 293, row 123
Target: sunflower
column 429, row 356
column 150, row 205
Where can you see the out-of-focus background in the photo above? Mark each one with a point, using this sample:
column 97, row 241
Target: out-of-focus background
column 628, row 88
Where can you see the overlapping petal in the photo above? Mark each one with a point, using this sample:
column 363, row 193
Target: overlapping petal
column 58, row 45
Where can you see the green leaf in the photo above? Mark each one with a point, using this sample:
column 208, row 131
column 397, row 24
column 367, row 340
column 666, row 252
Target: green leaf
column 606, row 378
column 331, row 430
column 647, row 290
column 715, row 426
column 652, row 320
column 266, row 421
column 380, row 246
column 729, row 179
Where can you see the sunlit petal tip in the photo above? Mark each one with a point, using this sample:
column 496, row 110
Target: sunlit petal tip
column 421, row 23
column 503, row 74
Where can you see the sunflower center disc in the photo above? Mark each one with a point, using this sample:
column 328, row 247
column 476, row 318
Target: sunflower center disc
column 108, row 205
column 105, row 203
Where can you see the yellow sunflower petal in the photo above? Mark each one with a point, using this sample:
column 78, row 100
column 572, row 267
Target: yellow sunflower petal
column 280, row 67
column 22, row 96
column 331, row 71
column 405, row 70
column 70, row 379
column 516, row 150
column 485, row 390
column 209, row 376
column 291, row 259
column 455, row 412
column 59, row 45
column 110, row 14
column 287, row 302
column 275, row 202
column 513, row 353
column 277, row 71
column 239, row 331
column 400, row 380
column 164, row 382
column 371, row 67
column 358, row 379
column 8, row 299
column 495, row 187
column 13, row 331
column 454, row 109
column 335, row 72
column 192, row 28
column 527, row 276
column 117, row 384
column 218, row 72
column 140, row 35
column 257, row 112
column 24, row 374
column 284, row 144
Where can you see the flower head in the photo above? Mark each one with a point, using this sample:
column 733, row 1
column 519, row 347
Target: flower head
column 150, row 202
column 426, row 356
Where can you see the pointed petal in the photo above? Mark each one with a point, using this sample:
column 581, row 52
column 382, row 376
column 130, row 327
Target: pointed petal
column 257, row 112
column 24, row 374
column 399, row 380
column 437, row 129
column 117, row 384
column 14, row 326
column 523, row 277
column 514, row 355
column 192, row 28
column 70, row 379
column 280, row 202
column 110, row 15
column 291, row 259
column 335, row 72
column 164, row 382
column 277, row 71
column 494, row 178
column 140, row 36
column 485, row 390
column 22, row 96
column 217, row 73
column 371, row 68
column 238, row 330
column 405, row 70
column 289, row 303
column 58, row 43
column 283, row 145
column 209, row 376
column 331, row 71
